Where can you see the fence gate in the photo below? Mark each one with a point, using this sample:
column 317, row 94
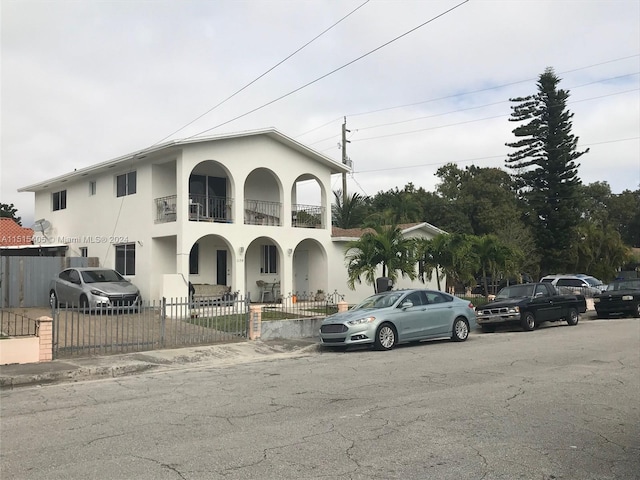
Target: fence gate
column 169, row 323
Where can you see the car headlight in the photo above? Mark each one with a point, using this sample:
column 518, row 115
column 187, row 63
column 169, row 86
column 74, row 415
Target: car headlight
column 627, row 297
column 98, row 293
column 358, row 321
column 513, row 310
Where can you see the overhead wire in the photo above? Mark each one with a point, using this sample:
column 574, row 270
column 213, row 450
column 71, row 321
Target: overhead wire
column 331, row 72
column 263, row 74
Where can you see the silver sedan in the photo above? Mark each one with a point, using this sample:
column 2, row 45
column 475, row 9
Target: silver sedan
column 389, row 318
column 93, row 289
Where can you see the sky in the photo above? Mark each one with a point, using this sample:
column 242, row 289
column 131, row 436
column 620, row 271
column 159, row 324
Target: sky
column 420, row 83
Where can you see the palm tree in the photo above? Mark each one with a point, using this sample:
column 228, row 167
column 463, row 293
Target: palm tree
column 494, row 256
column 350, row 213
column 385, row 246
column 448, row 255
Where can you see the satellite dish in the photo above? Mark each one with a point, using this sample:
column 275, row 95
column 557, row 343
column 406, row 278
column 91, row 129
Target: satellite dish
column 42, row 226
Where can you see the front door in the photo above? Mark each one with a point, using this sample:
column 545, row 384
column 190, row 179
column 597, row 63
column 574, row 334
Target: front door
column 221, row 267
column 301, row 272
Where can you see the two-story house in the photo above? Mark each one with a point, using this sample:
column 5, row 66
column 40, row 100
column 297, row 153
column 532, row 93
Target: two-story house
column 222, row 210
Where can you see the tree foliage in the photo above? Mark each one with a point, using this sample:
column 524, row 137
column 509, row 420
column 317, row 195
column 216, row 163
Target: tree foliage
column 349, row 213
column 546, row 172
column 383, row 246
column 8, row 210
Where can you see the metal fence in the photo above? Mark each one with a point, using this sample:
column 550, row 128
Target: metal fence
column 170, row 323
column 24, row 281
column 301, row 305
column 17, row 325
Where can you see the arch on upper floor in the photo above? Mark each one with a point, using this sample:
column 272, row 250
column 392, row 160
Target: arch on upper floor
column 211, row 190
column 309, row 203
column 263, row 198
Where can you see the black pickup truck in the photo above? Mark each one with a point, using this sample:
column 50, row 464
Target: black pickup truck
column 529, row 305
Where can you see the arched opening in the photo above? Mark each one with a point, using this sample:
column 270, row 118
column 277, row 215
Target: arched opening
column 308, row 203
column 210, row 193
column 263, row 198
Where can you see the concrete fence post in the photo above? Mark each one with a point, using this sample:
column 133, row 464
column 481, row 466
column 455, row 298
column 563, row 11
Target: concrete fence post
column 255, row 322
column 45, row 336
column 343, row 306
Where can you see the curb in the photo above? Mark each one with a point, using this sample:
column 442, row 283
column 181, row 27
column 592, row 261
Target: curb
column 73, row 375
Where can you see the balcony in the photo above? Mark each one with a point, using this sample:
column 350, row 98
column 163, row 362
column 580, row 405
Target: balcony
column 260, row 212
column 307, row 216
column 165, row 209
column 201, row 209
column 204, row 208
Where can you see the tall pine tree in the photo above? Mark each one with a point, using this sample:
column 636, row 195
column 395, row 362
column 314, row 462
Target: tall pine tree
column 546, row 171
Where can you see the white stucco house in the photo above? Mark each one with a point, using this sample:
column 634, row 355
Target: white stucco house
column 221, row 210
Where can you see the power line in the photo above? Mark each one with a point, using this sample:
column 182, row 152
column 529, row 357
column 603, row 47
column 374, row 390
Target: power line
column 263, row 74
column 409, row 132
column 490, row 157
column 331, row 72
column 463, row 94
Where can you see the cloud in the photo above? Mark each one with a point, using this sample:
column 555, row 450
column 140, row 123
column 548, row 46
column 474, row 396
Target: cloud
column 84, row 82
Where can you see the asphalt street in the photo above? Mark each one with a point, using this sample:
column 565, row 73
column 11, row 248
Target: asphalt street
column 560, row 402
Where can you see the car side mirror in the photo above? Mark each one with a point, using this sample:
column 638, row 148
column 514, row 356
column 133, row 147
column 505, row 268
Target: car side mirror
column 407, row 304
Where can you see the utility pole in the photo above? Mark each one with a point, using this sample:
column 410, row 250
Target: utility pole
column 344, row 160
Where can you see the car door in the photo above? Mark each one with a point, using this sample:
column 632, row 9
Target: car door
column 543, row 305
column 438, row 315
column 63, row 286
column 74, row 288
column 410, row 320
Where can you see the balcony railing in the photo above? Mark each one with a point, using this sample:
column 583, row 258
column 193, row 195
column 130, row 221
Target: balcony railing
column 203, row 208
column 307, row 216
column 165, row 209
column 260, row 212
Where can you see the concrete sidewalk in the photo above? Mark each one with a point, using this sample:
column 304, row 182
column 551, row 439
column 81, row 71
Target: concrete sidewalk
column 89, row 368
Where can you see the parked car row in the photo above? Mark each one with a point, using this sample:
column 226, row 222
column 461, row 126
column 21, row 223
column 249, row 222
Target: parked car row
column 389, row 318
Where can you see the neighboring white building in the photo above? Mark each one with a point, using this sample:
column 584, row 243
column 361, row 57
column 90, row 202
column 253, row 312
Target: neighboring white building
column 220, row 210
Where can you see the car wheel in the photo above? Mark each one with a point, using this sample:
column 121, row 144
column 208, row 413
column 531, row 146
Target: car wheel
column 528, row 321
column 53, row 299
column 385, row 337
column 84, row 303
column 488, row 328
column 460, row 330
column 572, row 316
column 636, row 312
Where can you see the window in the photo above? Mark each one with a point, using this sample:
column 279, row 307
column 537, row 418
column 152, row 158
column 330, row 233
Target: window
column 269, row 259
column 126, row 259
column 194, row 259
column 84, row 252
column 92, row 188
column 126, row 184
column 59, row 200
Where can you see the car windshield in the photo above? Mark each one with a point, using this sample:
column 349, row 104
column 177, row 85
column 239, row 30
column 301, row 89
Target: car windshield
column 631, row 284
column 99, row 276
column 594, row 282
column 379, row 301
column 516, row 291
